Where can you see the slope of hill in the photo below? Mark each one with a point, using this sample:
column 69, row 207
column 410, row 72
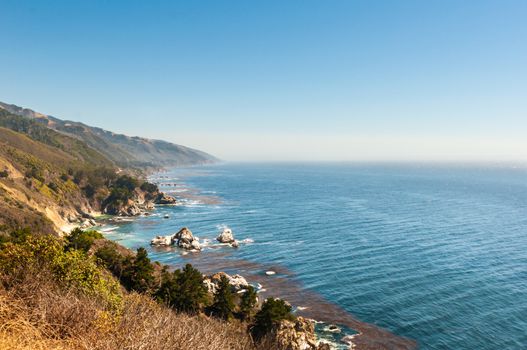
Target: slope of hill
column 52, row 181
column 123, row 150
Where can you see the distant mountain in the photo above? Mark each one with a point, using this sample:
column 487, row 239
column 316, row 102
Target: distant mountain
column 123, row 150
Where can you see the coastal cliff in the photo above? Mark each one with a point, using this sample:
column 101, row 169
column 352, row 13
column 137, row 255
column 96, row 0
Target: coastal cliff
column 54, row 181
column 87, row 290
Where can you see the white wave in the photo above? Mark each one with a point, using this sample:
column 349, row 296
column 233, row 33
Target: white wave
column 108, row 229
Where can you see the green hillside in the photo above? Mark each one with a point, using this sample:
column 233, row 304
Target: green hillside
column 122, row 150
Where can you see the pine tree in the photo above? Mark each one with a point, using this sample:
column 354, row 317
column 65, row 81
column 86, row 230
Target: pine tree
column 183, row 290
column 223, row 305
column 247, row 303
column 273, row 311
column 139, row 275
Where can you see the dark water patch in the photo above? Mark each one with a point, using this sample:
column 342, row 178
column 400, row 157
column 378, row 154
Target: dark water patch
column 285, row 285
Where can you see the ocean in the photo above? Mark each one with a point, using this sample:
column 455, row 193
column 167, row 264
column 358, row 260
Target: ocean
column 433, row 253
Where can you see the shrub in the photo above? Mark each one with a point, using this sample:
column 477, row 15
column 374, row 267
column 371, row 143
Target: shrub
column 83, row 240
column 126, row 182
column 223, row 305
column 149, row 187
column 89, row 190
column 272, row 312
column 110, row 258
column 69, row 269
column 53, row 186
column 4, row 173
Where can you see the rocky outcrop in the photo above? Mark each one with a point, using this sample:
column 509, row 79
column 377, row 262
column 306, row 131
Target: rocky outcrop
column 225, row 236
column 130, row 208
column 162, row 240
column 296, row 335
column 163, row 198
column 237, row 282
column 183, row 239
column 186, row 240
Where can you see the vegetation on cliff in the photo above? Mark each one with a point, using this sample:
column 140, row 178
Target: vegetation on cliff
column 65, row 294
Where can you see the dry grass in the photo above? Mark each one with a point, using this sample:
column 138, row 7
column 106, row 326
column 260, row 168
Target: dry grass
column 35, row 314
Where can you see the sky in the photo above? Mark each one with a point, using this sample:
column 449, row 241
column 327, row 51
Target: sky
column 280, row 80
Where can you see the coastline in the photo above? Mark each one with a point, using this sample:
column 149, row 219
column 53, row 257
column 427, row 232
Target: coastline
column 358, row 335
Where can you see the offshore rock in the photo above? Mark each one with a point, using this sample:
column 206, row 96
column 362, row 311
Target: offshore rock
column 226, row 236
column 186, row 240
column 162, row 240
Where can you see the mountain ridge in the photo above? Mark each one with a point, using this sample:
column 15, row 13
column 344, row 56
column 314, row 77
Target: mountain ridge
column 123, row 150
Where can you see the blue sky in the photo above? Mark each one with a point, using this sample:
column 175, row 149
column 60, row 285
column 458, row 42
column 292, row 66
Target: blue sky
column 280, row 80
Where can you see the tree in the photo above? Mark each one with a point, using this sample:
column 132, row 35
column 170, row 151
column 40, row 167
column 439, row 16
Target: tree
column 223, row 305
column 272, row 313
column 247, row 303
column 139, row 276
column 183, row 290
column 82, row 240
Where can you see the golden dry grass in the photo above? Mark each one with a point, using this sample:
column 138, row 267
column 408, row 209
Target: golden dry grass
column 36, row 315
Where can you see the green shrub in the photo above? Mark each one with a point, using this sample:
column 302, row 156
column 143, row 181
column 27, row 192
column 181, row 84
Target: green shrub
column 149, row 187
column 70, row 269
column 4, row 173
column 126, row 182
column 83, row 240
column 53, row 186
column 272, row 312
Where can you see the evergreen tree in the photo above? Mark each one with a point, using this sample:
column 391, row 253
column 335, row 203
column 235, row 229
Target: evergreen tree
column 183, row 290
column 273, row 311
column 247, row 303
column 139, row 275
column 223, row 305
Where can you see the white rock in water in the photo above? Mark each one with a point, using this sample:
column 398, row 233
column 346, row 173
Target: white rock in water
column 161, row 241
column 226, row 236
column 195, row 244
column 270, row 273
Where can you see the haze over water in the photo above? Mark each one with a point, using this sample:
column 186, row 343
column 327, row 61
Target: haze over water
column 433, row 253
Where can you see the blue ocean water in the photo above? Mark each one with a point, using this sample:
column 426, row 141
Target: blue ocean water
column 434, row 253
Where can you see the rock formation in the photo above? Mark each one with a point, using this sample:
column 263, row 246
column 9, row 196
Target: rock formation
column 296, row 335
column 225, row 236
column 237, row 282
column 183, row 239
column 163, row 198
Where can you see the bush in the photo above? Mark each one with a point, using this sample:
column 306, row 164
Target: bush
column 126, row 182
column 223, row 305
column 149, row 187
column 83, row 240
column 69, row 269
column 111, row 259
column 4, row 173
column 272, row 312
column 53, row 186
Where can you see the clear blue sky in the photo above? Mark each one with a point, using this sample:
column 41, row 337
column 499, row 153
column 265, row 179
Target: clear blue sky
column 338, row 80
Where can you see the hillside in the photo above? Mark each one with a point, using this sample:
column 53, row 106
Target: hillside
column 52, row 181
column 122, row 150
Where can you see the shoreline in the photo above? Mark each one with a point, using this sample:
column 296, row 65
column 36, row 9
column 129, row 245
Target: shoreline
column 283, row 285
